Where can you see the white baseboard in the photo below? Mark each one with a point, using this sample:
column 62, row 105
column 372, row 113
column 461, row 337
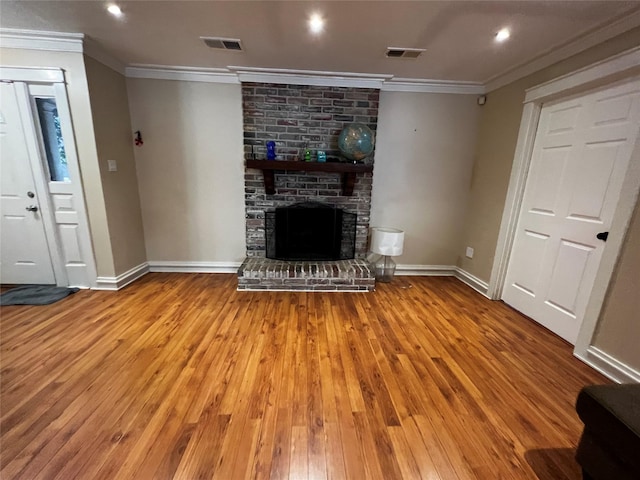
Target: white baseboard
column 465, row 277
column 474, row 282
column 610, row 367
column 122, row 280
column 426, row 270
column 194, row 267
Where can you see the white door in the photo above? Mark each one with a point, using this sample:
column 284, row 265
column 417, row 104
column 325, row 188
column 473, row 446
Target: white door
column 581, row 153
column 24, row 249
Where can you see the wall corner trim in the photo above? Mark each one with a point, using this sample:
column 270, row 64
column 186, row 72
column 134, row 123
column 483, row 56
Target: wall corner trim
column 474, row 282
column 465, row 277
column 193, row 267
column 122, row 280
column 609, row 366
column 94, row 50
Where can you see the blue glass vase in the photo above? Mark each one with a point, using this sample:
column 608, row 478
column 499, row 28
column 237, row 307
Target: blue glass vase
column 271, row 150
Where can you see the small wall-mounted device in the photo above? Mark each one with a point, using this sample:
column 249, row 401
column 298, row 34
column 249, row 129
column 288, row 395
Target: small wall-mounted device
column 482, row 99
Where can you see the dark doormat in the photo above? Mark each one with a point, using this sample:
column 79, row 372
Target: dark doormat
column 35, row 295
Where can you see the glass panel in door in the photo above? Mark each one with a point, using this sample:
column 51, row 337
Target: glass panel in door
column 53, row 141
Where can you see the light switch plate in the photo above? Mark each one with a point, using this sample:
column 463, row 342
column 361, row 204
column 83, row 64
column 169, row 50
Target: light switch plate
column 112, row 165
column 469, row 253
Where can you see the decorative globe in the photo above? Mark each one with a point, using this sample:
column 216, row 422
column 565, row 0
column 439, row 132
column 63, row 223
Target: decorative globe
column 356, row 141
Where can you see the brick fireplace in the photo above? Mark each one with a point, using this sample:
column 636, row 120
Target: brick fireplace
column 297, row 117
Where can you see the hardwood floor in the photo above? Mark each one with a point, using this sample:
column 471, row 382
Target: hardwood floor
column 179, row 376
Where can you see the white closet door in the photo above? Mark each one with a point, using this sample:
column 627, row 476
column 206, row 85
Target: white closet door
column 581, row 153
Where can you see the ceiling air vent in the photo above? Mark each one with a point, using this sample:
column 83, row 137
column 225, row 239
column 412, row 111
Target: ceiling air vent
column 394, row 52
column 222, row 43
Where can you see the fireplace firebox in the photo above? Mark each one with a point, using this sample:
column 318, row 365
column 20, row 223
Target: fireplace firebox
column 310, row 231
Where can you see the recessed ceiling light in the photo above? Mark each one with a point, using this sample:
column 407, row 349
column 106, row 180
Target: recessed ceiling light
column 502, row 35
column 114, row 10
column 316, row 23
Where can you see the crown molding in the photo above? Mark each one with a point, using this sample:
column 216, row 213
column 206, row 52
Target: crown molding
column 563, row 51
column 187, row 74
column 432, row 86
column 622, row 65
column 41, row 40
column 58, row 42
column 382, row 81
column 237, row 75
column 309, row 77
column 95, row 51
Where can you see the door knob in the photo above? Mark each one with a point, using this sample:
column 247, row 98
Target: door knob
column 602, row 236
column 32, row 208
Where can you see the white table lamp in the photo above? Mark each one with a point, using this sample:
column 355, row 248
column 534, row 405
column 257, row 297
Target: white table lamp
column 386, row 242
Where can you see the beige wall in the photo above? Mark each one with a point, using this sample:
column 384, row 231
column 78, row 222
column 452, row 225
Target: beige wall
column 191, row 180
column 114, row 141
column 423, row 164
column 618, row 332
column 497, row 136
column 190, row 169
column 78, row 92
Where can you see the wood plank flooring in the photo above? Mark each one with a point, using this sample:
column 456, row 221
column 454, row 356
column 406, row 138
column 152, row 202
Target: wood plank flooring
column 179, row 376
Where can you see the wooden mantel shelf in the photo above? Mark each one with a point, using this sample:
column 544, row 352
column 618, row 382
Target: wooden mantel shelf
column 348, row 171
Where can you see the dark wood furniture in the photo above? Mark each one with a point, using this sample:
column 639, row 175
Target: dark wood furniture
column 348, row 171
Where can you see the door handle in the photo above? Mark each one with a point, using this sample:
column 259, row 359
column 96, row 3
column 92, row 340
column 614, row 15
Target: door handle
column 602, row 236
column 32, row 208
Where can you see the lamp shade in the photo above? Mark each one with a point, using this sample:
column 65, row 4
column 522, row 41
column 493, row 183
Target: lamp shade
column 387, row 241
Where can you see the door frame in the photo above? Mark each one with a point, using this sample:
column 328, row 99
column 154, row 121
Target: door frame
column 55, row 79
column 617, row 69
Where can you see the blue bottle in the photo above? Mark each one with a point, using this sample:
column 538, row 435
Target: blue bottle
column 271, row 150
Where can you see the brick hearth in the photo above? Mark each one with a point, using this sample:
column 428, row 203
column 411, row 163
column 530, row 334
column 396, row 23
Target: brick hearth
column 344, row 275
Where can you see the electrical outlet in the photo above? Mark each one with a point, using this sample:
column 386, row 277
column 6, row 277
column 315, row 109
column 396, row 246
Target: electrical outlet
column 469, row 253
column 112, row 165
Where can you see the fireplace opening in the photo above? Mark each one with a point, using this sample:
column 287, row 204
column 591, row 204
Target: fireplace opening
column 310, row 231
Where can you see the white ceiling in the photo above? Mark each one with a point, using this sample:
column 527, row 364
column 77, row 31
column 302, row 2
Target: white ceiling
column 458, row 36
